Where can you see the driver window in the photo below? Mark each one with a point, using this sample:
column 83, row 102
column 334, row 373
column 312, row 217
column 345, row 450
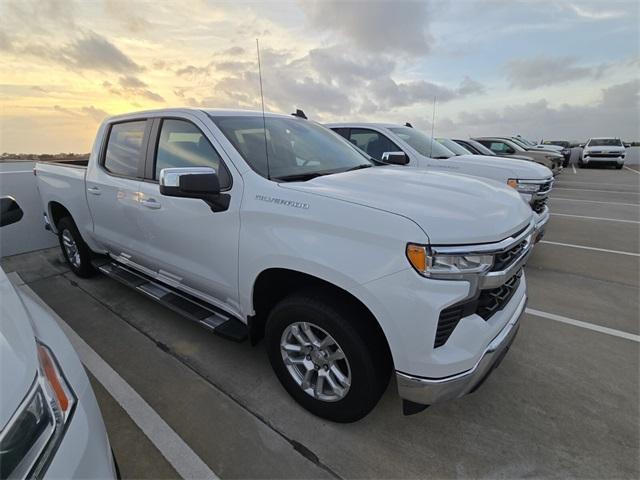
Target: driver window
column 372, row 142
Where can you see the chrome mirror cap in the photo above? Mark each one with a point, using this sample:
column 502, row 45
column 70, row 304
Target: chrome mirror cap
column 170, row 177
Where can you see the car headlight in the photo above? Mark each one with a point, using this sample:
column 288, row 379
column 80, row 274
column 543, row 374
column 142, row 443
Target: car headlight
column 523, row 187
column 36, row 428
column 446, row 266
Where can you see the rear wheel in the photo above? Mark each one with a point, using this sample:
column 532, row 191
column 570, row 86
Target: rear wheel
column 326, row 357
column 76, row 252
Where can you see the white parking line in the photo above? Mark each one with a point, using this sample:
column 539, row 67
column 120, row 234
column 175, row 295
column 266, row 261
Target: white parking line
column 579, row 323
column 584, row 247
column 593, row 190
column 633, row 170
column 184, row 460
column 596, row 201
column 599, row 184
column 595, row 218
column 573, row 167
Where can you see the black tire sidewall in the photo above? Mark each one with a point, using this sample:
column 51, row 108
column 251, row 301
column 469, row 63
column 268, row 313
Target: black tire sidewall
column 366, row 382
column 85, row 269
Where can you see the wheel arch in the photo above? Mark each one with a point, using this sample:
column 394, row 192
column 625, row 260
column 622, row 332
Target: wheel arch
column 274, row 284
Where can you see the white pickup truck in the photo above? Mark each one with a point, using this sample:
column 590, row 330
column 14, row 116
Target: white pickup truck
column 275, row 227
column 405, row 145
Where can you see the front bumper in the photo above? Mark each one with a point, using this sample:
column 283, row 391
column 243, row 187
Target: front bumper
column 603, row 160
column 428, row 391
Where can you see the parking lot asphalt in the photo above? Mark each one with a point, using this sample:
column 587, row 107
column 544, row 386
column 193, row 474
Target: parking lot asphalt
column 564, row 403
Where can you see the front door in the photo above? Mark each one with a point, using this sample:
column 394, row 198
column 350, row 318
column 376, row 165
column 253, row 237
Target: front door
column 187, row 244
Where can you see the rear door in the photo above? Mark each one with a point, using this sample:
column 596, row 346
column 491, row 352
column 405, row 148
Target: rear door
column 187, row 244
column 113, row 186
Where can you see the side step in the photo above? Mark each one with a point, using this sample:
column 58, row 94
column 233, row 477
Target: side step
column 186, row 305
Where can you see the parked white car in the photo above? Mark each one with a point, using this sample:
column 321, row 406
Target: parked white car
column 406, row 145
column 603, row 151
column 349, row 272
column 50, row 423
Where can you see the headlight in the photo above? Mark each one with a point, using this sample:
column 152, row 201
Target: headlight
column 444, row 266
column 523, row 187
column 35, row 429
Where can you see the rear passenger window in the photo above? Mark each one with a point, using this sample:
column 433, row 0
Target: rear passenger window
column 372, row 142
column 124, row 148
column 182, row 144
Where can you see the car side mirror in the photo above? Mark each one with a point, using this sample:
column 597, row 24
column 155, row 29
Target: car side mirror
column 510, row 151
column 626, row 145
column 395, row 158
column 194, row 182
column 581, row 145
column 10, row 211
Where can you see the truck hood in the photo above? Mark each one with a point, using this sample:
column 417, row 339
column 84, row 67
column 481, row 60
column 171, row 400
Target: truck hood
column 521, row 169
column 451, row 209
column 551, row 148
column 605, row 149
column 18, row 353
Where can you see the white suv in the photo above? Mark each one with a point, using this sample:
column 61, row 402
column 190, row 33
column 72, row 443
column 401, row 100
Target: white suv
column 603, row 151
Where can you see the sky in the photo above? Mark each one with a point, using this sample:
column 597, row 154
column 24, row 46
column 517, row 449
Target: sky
column 542, row 69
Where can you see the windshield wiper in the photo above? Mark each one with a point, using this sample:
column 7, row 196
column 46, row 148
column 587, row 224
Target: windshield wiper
column 303, row 177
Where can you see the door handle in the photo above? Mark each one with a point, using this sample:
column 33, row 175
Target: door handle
column 94, row 190
column 151, row 203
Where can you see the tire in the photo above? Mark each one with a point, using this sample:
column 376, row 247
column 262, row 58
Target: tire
column 618, row 167
column 76, row 252
column 366, row 361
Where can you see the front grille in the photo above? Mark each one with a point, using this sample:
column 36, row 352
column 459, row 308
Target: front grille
column 538, row 205
column 504, row 259
column 605, row 155
column 485, row 305
column 545, row 187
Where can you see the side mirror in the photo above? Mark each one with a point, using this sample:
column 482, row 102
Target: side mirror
column 626, row 145
column 10, row 211
column 581, row 145
column 194, row 182
column 510, row 151
column 395, row 158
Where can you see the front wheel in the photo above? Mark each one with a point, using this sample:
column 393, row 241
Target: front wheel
column 329, row 360
column 619, row 167
column 76, row 252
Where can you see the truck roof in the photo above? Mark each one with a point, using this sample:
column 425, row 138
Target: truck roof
column 214, row 112
column 363, row 124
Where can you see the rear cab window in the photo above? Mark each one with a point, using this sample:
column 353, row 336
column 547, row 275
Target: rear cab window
column 124, row 152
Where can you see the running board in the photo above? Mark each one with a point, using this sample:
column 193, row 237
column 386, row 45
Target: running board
column 195, row 310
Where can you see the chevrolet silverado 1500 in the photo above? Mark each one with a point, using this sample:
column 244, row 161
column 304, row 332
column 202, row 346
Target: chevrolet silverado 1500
column 383, row 141
column 272, row 226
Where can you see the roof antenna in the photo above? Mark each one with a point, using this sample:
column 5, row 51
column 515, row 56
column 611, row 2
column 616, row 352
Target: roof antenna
column 408, row 125
column 264, row 121
column 433, row 124
column 299, row 113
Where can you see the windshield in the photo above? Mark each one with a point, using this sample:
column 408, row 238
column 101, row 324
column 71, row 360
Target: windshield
column 520, row 143
column 421, row 143
column 528, row 143
column 453, row 146
column 605, row 142
column 297, row 149
column 481, row 148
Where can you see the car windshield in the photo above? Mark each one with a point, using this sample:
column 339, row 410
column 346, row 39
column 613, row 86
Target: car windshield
column 421, row 143
column 529, row 143
column 480, row 147
column 453, row 146
column 605, row 142
column 520, row 143
column 297, row 150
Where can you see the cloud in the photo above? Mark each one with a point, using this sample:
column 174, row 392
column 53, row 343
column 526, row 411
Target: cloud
column 133, row 86
column 96, row 114
column 541, row 71
column 94, row 52
column 334, row 64
column 398, row 27
column 121, row 11
column 599, row 14
column 615, row 113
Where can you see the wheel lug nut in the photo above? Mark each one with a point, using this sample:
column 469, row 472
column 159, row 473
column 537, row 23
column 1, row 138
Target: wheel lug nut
column 308, row 357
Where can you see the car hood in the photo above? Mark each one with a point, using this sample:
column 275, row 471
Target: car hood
column 18, row 353
column 450, row 208
column 521, row 169
column 551, row 148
